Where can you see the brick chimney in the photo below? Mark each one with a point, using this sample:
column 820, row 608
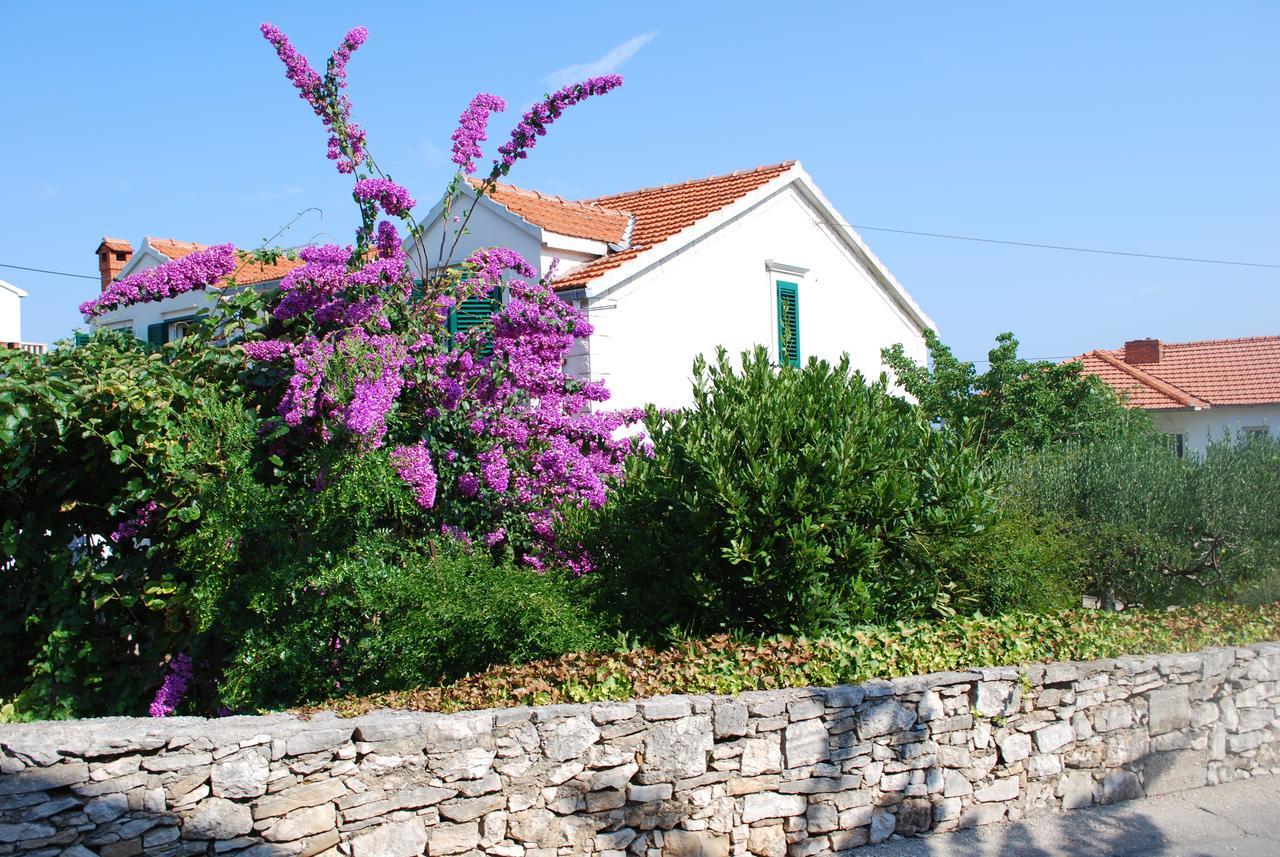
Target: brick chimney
column 113, row 255
column 1142, row 351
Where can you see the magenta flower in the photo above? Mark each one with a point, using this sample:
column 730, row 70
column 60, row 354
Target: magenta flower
column 393, row 198
column 473, row 128
column 413, row 465
column 174, row 687
column 534, row 123
column 194, row 272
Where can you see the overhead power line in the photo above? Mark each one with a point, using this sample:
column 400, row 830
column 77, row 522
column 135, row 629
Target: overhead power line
column 45, row 271
column 1130, row 253
column 1061, row 247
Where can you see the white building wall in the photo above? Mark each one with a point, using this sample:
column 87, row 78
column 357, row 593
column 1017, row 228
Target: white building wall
column 1199, row 427
column 489, row 226
column 718, row 292
column 10, row 315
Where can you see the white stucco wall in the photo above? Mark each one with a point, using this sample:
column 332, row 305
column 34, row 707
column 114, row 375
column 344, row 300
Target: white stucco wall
column 1199, row 427
column 10, row 314
column 489, row 226
column 718, row 291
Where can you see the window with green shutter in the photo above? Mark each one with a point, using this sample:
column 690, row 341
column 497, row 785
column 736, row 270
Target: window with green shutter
column 157, row 334
column 788, row 324
column 475, row 312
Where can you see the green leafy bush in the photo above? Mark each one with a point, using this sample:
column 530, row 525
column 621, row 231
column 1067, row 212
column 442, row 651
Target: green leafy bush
column 786, row 499
column 1022, row 562
column 1016, row 404
column 1153, row 528
column 90, row 438
column 390, row 614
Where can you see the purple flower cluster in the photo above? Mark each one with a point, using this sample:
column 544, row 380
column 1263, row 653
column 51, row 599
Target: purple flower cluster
column 143, row 517
column 473, row 127
column 193, row 272
column 413, row 465
column 346, row 139
column 174, row 688
column 534, row 123
column 393, row 198
column 365, row 357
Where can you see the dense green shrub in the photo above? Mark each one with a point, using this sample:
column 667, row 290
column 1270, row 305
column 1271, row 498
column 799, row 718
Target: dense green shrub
column 1016, row 404
column 1022, row 562
column 787, row 499
column 249, row 572
column 388, row 614
column 90, row 437
column 1154, row 528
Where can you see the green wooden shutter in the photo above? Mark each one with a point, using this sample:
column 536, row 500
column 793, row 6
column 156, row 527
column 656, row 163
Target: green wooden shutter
column 788, row 324
column 475, row 312
column 157, row 334
column 82, row 339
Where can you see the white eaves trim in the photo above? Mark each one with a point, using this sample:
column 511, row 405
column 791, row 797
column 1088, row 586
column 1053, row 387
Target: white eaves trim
column 796, row 175
column 10, row 287
column 468, row 193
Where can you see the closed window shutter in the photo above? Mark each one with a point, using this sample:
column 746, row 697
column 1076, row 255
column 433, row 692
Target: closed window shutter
column 475, row 312
column 788, row 324
column 158, row 334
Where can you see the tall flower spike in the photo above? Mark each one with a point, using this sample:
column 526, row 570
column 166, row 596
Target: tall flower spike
column 534, row 123
column 473, row 127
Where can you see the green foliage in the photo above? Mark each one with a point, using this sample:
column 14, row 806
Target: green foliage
column 89, row 437
column 729, row 665
column 1155, row 529
column 1022, row 562
column 793, row 498
column 389, row 614
column 1016, row 403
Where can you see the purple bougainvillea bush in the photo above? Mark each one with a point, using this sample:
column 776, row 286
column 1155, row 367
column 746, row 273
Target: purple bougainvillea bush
column 491, row 438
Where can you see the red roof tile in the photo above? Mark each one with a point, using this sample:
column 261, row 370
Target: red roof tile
column 247, row 273
column 1195, row 374
column 661, row 212
column 578, row 219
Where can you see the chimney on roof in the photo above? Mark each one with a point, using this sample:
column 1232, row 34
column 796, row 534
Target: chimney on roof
column 113, row 255
column 1142, row 351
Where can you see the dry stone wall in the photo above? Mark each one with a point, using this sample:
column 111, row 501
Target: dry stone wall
column 771, row 773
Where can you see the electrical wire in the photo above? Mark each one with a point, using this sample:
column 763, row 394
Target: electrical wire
column 44, row 271
column 1130, row 253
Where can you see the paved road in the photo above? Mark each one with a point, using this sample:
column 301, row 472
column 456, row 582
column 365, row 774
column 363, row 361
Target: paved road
column 1241, row 819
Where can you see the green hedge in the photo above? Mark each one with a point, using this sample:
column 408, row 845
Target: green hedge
column 725, row 665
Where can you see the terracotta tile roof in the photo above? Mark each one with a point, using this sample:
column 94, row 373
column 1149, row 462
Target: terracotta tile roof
column 1195, row 374
column 579, row 219
column 661, row 212
column 247, row 273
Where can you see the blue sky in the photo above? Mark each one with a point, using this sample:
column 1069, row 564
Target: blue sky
column 1152, row 127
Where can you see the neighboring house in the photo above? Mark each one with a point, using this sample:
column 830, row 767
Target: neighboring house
column 1198, row 391
column 667, row 273
column 159, row 322
column 11, row 319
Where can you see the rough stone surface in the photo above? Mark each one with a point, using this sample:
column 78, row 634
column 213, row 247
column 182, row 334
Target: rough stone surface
column 785, row 773
column 217, row 818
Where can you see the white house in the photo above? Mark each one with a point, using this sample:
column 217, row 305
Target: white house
column 161, row 321
column 664, row 274
column 11, row 319
column 1197, row 391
